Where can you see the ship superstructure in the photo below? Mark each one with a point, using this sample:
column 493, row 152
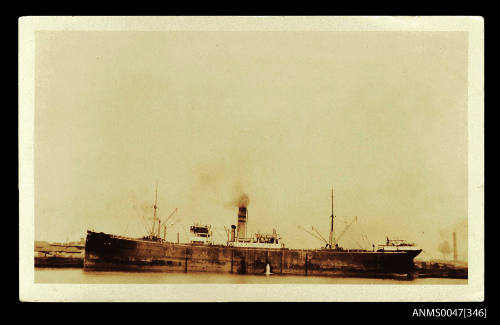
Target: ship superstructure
column 201, row 234
column 239, row 238
column 397, row 245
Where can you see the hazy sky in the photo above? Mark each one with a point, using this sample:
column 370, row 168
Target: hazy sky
column 280, row 116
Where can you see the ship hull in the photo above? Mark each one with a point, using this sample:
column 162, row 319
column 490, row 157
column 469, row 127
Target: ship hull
column 113, row 253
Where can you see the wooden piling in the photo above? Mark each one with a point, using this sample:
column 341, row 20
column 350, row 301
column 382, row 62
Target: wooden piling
column 232, row 259
column 306, row 263
column 281, row 264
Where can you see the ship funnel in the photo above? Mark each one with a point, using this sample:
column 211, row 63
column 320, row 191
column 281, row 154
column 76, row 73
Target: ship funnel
column 242, row 222
column 233, row 233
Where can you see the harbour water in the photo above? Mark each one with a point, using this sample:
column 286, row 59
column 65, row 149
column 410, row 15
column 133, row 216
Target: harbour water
column 78, row 276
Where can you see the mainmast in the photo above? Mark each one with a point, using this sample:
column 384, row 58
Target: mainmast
column 330, row 242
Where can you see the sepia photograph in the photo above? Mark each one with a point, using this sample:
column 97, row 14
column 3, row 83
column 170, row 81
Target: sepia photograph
column 251, row 158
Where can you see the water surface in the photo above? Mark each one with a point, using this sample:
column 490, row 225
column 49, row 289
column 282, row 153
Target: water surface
column 78, row 276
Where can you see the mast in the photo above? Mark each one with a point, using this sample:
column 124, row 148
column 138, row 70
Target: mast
column 330, row 242
column 154, row 214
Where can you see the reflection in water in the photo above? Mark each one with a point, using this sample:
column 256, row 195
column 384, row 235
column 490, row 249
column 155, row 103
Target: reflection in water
column 45, row 275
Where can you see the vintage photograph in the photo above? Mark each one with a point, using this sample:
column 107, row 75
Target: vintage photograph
column 211, row 153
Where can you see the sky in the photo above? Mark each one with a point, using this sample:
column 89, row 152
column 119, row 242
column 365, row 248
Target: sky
column 279, row 116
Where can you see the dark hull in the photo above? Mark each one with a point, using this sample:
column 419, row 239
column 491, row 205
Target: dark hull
column 108, row 252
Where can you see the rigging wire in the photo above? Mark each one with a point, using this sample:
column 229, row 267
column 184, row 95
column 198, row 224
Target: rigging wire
column 365, row 235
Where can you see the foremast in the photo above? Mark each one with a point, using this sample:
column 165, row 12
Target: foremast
column 332, row 217
column 155, row 215
column 155, row 234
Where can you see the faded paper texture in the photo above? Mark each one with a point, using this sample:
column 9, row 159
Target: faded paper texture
column 388, row 111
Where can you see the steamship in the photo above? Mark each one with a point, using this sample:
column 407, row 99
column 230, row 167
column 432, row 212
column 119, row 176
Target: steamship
column 241, row 254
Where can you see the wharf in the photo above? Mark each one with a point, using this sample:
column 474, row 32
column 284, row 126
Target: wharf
column 64, row 255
